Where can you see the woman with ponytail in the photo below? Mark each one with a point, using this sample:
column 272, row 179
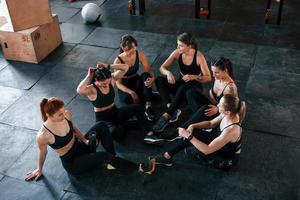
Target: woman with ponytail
column 193, row 72
column 77, row 151
column 220, row 147
column 205, row 108
column 97, row 87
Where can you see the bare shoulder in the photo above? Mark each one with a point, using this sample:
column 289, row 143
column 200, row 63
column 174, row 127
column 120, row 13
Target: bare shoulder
column 232, row 133
column 175, row 54
column 42, row 136
column 231, row 89
column 141, row 54
column 68, row 115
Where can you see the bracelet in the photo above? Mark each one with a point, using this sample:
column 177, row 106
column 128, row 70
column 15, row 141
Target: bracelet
column 108, row 66
column 190, row 137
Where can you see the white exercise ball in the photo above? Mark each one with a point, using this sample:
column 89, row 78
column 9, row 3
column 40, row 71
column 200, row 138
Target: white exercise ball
column 90, row 13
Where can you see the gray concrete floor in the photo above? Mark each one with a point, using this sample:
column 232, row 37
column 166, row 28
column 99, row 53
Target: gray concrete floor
column 266, row 63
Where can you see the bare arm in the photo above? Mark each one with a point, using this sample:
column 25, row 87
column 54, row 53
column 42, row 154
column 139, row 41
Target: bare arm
column 164, row 67
column 145, row 63
column 214, row 145
column 147, row 68
column 206, row 76
column 119, row 69
column 77, row 133
column 219, row 142
column 83, row 89
column 42, row 145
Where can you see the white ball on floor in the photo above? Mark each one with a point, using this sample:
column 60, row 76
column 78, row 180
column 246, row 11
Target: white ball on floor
column 90, row 13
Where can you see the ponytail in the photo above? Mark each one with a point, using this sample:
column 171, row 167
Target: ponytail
column 50, row 106
column 235, row 106
column 42, row 109
column 242, row 110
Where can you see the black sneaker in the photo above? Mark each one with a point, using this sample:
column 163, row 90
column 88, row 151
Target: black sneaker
column 175, row 115
column 149, row 113
column 93, row 142
column 160, row 125
column 148, row 167
column 154, row 139
column 161, row 160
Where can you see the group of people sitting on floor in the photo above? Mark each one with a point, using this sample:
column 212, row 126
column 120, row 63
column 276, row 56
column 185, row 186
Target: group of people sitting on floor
column 212, row 132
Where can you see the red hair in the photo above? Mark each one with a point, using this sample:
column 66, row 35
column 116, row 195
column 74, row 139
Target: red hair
column 50, row 106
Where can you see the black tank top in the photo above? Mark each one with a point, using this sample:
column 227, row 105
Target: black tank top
column 218, row 98
column 103, row 100
column 232, row 147
column 189, row 69
column 61, row 141
column 134, row 68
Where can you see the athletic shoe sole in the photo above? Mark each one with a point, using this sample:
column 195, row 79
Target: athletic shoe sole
column 162, row 129
column 178, row 114
column 164, row 164
column 154, row 141
column 148, row 117
column 176, row 138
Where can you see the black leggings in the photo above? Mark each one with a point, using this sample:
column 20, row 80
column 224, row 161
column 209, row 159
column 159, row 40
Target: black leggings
column 180, row 89
column 196, row 99
column 115, row 118
column 136, row 84
column 218, row 159
column 80, row 159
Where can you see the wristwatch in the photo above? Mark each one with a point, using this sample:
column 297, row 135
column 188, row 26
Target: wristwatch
column 190, row 137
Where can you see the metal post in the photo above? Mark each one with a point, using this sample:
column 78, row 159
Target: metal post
column 279, row 12
column 197, row 8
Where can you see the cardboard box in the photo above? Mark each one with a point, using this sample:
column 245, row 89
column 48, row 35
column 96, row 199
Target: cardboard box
column 31, row 45
column 25, row 14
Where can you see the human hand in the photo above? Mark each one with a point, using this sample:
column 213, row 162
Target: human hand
column 190, row 128
column 101, row 65
column 183, row 132
column 171, row 78
column 211, row 110
column 35, row 174
column 134, row 96
column 91, row 71
column 149, row 82
column 188, row 77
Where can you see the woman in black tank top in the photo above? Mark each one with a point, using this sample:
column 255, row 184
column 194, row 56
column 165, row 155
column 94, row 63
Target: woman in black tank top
column 135, row 88
column 205, row 108
column 97, row 87
column 222, row 146
column 193, row 72
column 77, row 151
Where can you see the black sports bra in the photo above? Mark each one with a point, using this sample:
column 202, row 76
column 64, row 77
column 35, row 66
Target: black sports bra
column 103, row 100
column 232, row 147
column 189, row 69
column 218, row 98
column 134, row 68
column 61, row 141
